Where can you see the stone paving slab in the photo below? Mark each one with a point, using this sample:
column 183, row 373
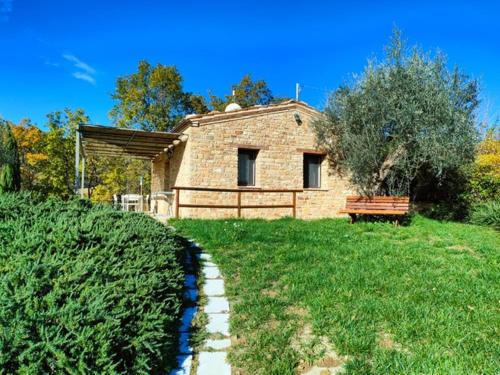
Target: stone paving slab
column 204, row 256
column 217, row 305
column 214, row 287
column 211, row 273
column 218, row 323
column 218, row 344
column 213, row 363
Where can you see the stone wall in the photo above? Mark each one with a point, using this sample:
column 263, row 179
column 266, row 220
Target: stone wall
column 159, row 170
column 210, row 159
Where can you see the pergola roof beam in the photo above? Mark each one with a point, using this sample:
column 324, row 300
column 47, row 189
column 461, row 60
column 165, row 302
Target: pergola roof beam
column 126, row 140
column 106, row 141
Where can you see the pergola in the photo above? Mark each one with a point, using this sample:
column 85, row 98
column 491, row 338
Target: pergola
column 118, row 142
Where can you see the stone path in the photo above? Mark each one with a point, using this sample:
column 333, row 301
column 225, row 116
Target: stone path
column 212, row 359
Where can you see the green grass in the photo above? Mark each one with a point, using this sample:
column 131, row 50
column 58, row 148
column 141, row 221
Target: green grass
column 421, row 299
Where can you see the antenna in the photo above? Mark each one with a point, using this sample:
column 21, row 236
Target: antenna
column 297, row 91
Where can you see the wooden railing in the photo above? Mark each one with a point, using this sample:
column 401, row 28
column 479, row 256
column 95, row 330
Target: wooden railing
column 238, row 206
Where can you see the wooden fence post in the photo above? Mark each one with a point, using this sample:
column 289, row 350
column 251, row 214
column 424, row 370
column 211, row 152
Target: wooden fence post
column 239, row 203
column 177, row 194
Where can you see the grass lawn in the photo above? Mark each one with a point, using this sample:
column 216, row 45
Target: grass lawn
column 422, row 299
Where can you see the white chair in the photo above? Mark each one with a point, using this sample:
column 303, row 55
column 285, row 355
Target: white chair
column 132, row 200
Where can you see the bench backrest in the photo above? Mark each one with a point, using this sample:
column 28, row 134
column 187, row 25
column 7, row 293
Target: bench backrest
column 378, row 203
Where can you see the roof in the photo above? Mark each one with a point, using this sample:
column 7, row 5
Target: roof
column 256, row 110
column 115, row 142
column 108, row 141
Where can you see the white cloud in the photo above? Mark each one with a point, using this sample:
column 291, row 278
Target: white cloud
column 86, row 72
column 84, row 77
column 79, row 63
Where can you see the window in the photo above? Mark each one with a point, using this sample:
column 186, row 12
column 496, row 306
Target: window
column 246, row 167
column 312, row 171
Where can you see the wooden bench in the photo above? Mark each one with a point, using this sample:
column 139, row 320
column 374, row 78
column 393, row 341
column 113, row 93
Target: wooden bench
column 376, row 205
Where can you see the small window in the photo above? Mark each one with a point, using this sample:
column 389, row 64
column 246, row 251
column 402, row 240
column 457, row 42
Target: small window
column 312, row 171
column 246, row 167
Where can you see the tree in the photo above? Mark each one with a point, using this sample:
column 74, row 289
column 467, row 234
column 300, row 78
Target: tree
column 485, row 172
column 401, row 122
column 113, row 181
column 10, row 175
column 247, row 93
column 120, row 176
column 153, row 99
column 58, row 169
column 30, row 142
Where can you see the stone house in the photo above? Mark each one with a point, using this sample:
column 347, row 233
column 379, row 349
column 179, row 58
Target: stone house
column 260, row 161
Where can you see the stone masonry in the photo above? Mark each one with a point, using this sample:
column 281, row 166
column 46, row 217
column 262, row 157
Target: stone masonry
column 280, row 133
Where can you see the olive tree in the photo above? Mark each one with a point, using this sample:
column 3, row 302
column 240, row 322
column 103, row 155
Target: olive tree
column 403, row 119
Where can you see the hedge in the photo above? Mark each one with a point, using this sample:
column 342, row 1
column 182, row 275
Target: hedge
column 86, row 289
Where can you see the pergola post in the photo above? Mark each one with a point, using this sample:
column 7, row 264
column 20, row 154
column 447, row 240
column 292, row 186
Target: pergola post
column 77, row 160
column 82, row 185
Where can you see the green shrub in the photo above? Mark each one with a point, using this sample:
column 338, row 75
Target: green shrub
column 85, row 289
column 6, row 178
column 487, row 213
column 10, row 173
column 484, row 173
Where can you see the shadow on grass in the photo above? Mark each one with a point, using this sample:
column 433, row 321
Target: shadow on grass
column 389, row 219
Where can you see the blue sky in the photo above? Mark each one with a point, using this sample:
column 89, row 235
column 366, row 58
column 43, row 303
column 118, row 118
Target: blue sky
column 56, row 54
